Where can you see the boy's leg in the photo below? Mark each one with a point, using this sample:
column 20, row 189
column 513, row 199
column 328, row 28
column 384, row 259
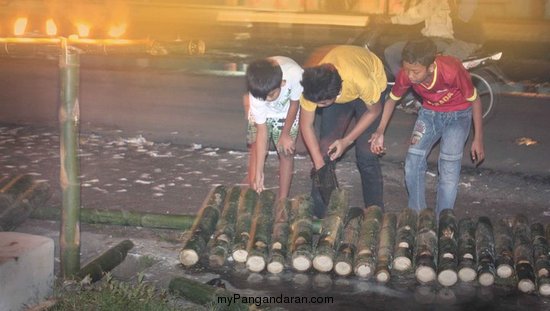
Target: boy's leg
column 334, row 122
column 453, row 140
column 368, row 163
column 251, row 143
column 426, row 132
column 286, row 162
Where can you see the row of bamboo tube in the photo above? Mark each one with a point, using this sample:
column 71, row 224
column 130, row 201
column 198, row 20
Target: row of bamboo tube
column 238, row 224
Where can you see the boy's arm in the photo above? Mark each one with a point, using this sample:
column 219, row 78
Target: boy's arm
column 377, row 138
column 261, row 150
column 310, row 140
column 286, row 143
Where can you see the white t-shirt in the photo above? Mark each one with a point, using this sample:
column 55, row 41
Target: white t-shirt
column 260, row 110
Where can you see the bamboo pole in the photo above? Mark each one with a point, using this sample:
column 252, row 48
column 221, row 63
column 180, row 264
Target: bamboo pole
column 504, row 261
column 485, row 252
column 405, row 239
column 541, row 258
column 260, row 232
column 523, row 254
column 106, row 261
column 348, row 248
column 279, row 238
column 245, row 212
column 447, row 262
column 301, row 235
column 385, row 248
column 466, row 250
column 365, row 260
column 69, row 119
column 426, row 247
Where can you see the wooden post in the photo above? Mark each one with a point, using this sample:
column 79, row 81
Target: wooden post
column 69, row 119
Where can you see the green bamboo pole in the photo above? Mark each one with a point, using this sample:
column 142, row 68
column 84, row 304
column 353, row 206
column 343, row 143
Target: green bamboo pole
column 69, row 117
column 106, row 262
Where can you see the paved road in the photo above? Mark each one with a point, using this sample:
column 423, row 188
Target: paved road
column 172, row 105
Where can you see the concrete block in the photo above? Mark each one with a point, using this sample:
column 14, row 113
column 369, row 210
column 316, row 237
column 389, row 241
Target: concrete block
column 26, row 270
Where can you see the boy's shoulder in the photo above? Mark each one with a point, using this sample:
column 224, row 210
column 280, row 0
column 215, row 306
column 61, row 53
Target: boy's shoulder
column 448, row 66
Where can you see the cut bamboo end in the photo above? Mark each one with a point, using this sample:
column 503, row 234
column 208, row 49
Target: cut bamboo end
column 544, row 289
column 425, row 274
column 301, row 263
column 383, row 276
column 215, row 261
column 363, row 271
column 189, row 257
column 240, row 255
column 402, row 263
column 504, row 271
column 486, row 279
column 447, row 278
column 467, row 274
column 526, row 286
column 255, row 263
column 323, row 263
column 342, row 268
column 275, row 267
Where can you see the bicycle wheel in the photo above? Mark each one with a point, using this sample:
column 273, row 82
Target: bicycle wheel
column 488, row 91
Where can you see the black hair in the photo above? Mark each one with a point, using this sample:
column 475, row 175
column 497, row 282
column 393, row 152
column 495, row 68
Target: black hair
column 321, row 82
column 262, row 77
column 421, row 51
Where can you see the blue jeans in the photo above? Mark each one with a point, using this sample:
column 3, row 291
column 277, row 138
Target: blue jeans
column 453, row 129
column 335, row 120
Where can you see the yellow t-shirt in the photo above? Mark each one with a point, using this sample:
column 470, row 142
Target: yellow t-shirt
column 362, row 74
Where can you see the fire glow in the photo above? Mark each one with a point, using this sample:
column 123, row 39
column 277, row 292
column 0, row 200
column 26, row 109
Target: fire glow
column 20, row 26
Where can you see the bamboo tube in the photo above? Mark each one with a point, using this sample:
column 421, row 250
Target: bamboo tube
column 331, row 230
column 504, row 261
column 301, row 235
column 203, row 227
column 523, row 256
column 106, row 261
column 247, row 203
column 260, row 232
column 365, row 261
column 348, row 247
column 426, row 247
column 485, row 252
column 385, row 248
column 541, row 258
column 405, row 239
column 219, row 246
column 204, row 294
column 447, row 259
column 69, row 119
column 278, row 249
column 466, row 250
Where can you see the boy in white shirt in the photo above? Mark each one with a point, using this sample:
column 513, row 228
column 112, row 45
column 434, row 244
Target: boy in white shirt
column 274, row 92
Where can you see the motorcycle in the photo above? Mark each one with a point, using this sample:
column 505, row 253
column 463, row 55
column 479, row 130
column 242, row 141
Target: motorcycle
column 482, row 66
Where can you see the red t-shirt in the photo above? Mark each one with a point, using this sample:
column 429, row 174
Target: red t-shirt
column 450, row 90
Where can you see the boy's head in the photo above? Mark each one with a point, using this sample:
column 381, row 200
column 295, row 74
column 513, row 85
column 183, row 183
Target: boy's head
column 322, row 84
column 264, row 79
column 418, row 59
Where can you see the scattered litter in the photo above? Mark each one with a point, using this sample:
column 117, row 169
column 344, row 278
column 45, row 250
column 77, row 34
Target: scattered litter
column 526, row 141
column 466, row 185
column 143, row 182
column 100, row 190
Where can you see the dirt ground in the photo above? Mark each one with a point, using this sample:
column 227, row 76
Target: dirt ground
column 132, row 173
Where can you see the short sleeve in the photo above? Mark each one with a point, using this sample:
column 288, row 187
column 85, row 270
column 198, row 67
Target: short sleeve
column 307, row 105
column 464, row 83
column 257, row 110
column 402, row 84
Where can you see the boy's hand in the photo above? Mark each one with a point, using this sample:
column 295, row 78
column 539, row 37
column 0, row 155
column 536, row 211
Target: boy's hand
column 337, row 148
column 258, row 184
column 477, row 152
column 377, row 143
column 286, row 145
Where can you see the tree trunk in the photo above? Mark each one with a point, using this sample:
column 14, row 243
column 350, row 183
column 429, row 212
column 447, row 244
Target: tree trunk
column 447, row 259
column 301, row 235
column 19, row 198
column 279, row 238
column 331, row 228
column 220, row 244
column 385, row 247
column 466, row 250
column 405, row 239
column 504, row 261
column 203, row 294
column 365, row 260
column 523, row 255
column 260, row 232
column 203, row 227
column 485, row 252
column 106, row 261
column 426, row 247
column 541, row 258
column 348, row 247
column 247, row 203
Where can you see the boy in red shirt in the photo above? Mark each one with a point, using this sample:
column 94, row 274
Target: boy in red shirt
column 449, row 103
